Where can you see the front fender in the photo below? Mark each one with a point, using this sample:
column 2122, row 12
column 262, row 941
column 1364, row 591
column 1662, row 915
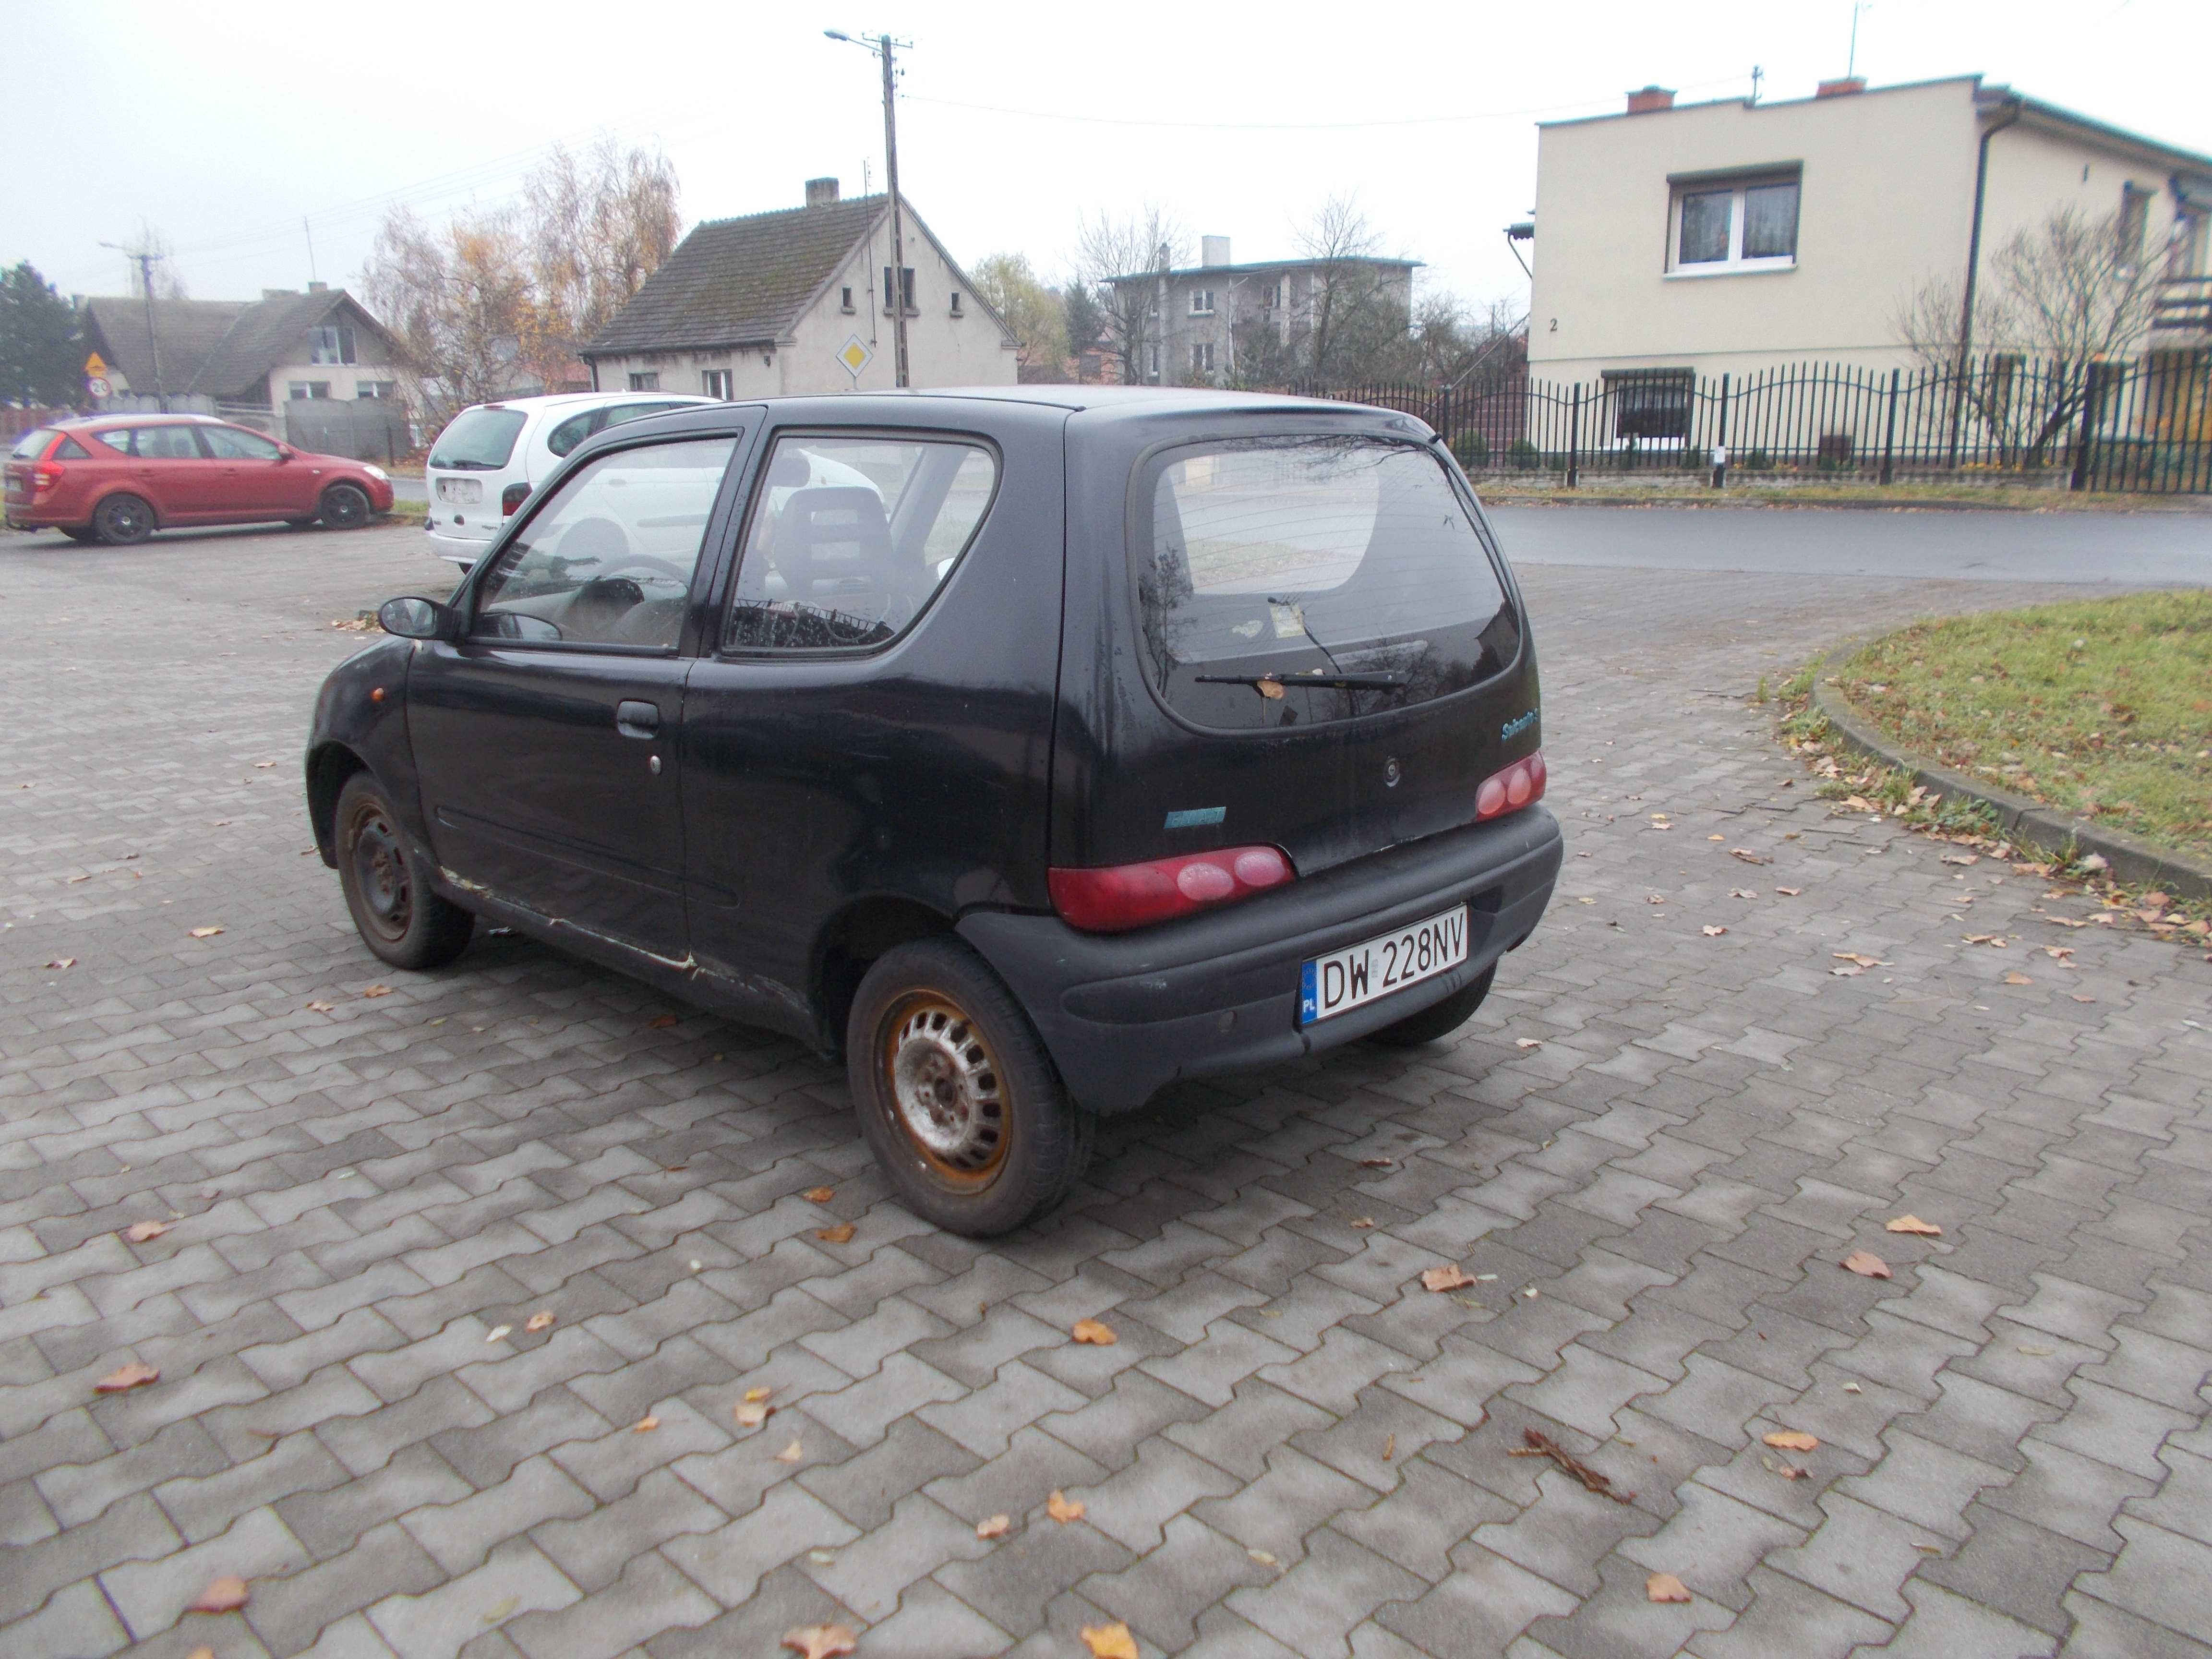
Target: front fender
column 361, row 723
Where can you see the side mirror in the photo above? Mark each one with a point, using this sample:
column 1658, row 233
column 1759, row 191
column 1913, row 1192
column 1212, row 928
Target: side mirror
column 414, row 618
column 285, row 451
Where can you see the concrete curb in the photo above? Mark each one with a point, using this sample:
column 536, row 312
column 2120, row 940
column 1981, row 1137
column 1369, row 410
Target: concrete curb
column 2026, row 823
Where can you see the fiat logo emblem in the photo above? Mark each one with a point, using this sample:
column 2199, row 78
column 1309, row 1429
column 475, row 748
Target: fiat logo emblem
column 1391, row 773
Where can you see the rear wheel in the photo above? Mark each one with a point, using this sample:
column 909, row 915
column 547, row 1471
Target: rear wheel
column 82, row 532
column 123, row 520
column 344, row 507
column 394, row 910
column 1438, row 1019
column 958, row 1100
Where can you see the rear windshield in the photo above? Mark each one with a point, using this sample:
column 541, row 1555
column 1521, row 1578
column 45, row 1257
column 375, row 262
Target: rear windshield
column 478, row 440
column 32, row 445
column 1349, row 564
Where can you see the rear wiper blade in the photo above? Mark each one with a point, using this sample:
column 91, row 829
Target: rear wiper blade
column 1389, row 680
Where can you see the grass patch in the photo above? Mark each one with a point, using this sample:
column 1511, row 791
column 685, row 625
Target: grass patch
column 2100, row 706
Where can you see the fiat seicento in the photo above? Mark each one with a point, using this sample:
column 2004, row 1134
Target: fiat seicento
column 1029, row 748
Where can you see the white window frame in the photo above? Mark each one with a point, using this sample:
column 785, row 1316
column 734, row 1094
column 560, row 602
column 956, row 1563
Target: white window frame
column 716, row 383
column 645, row 380
column 1201, row 302
column 1734, row 186
column 1201, row 357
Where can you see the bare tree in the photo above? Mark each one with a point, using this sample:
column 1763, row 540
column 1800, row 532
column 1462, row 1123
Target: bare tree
column 2072, row 293
column 168, row 281
column 596, row 226
column 1356, row 305
column 458, row 300
column 1146, row 244
column 1034, row 312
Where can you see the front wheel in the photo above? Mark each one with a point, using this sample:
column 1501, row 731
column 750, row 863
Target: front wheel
column 123, row 520
column 958, row 1098
column 344, row 507
column 394, row 910
column 1438, row 1019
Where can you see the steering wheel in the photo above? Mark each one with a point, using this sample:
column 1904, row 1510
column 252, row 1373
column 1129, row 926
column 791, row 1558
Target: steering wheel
column 675, row 573
column 610, row 591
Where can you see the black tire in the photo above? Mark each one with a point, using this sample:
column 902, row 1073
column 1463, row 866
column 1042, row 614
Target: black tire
column 123, row 520
column 1438, row 1019
column 394, row 911
column 344, row 507
column 936, row 1046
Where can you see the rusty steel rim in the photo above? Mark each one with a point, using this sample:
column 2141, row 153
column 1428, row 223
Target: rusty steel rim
column 380, row 873
column 946, row 1091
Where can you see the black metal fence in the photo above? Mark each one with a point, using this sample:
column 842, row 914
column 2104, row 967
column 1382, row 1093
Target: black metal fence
column 2144, row 425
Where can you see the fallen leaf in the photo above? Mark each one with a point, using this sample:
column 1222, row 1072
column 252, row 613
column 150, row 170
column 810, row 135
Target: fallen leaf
column 1913, row 1224
column 2078, row 997
column 1862, row 961
column 819, row 1194
column 791, row 1453
column 375, row 991
column 498, row 1333
column 758, row 1394
column 1787, row 1471
column 1962, row 858
column 1449, row 1277
column 1742, row 893
column 205, row 933
column 1654, row 898
column 841, row 1234
column 1866, row 1265
column 1063, row 1509
column 993, row 1526
column 60, row 963
column 661, row 1024
column 2018, row 979
column 1270, row 689
column 225, row 1594
column 322, row 1007
column 820, row 1641
column 1528, row 1042
column 645, row 1425
column 1853, row 1388
column 2058, row 952
column 1113, row 1641
column 1585, row 899
column 263, row 766
column 1789, row 892
column 538, row 1321
column 129, row 1376
column 1711, row 931
column 1089, row 1330
column 1748, row 856
column 1261, row 1557
column 1716, row 838
column 751, row 1413
column 1389, row 1446
column 201, row 1652
column 1791, row 1440
column 1665, row 1587
column 1849, row 971
column 2036, row 1350
column 1362, row 1223
column 499, row 1609
column 139, row 1232
column 1378, row 1163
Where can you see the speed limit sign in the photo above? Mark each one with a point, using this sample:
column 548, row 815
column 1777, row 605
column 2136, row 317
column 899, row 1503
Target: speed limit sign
column 97, row 386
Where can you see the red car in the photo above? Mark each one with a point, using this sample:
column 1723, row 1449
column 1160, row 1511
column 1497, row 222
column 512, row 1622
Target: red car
column 117, row 478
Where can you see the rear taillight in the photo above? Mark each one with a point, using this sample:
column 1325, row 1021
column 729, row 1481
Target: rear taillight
column 1127, row 896
column 1512, row 789
column 43, row 477
column 512, row 497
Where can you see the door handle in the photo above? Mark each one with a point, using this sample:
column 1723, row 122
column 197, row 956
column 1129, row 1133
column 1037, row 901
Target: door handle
column 637, row 719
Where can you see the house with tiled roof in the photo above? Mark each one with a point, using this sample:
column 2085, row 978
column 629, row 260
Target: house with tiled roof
column 769, row 304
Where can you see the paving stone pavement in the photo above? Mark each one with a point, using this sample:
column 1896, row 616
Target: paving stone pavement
column 1653, row 1147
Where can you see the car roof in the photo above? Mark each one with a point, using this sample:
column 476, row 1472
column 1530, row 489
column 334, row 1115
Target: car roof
column 126, row 417
column 550, row 400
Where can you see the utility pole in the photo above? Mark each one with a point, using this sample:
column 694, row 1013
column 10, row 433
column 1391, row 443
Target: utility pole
column 145, row 256
column 883, row 46
column 1851, row 62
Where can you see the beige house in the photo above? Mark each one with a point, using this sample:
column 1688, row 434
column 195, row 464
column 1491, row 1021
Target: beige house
column 763, row 306
column 1733, row 236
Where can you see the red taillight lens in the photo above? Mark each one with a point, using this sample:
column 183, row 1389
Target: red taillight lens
column 1512, row 789
column 44, row 477
column 512, row 497
column 1127, row 896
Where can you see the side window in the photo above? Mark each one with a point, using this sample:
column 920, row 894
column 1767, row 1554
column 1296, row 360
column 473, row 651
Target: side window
column 227, row 443
column 608, row 559
column 620, row 414
column 571, row 432
column 163, row 443
column 69, row 449
column 851, row 535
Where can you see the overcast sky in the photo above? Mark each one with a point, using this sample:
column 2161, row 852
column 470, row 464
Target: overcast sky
column 223, row 126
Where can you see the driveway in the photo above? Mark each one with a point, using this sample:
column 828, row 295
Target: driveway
column 1652, row 1150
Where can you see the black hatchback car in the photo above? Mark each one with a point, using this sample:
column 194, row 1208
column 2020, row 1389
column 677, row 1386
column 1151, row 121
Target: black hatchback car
column 1032, row 747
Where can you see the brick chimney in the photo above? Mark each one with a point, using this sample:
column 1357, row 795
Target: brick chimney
column 1645, row 100
column 821, row 192
column 1841, row 87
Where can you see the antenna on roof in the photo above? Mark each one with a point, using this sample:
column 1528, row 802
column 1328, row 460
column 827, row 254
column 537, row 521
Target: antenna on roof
column 1852, row 61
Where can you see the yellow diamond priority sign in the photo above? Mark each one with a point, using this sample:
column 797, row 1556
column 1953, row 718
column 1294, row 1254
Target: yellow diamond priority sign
column 856, row 355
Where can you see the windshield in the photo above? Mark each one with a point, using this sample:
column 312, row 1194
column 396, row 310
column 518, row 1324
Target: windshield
column 479, row 440
column 33, row 444
column 1349, row 558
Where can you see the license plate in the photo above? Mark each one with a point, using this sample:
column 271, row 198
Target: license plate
column 1345, row 980
column 466, row 491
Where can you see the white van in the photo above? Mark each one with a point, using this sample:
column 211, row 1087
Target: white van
column 491, row 456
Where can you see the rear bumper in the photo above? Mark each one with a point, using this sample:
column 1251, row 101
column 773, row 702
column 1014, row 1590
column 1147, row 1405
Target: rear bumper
column 1125, row 1014
column 463, row 550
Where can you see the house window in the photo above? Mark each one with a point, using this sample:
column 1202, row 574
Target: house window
column 716, row 383
column 1271, row 296
column 1735, row 224
column 1156, row 363
column 1201, row 302
column 2133, row 222
column 333, row 344
column 1650, row 403
column 845, row 304
column 1201, row 358
column 376, row 388
column 956, row 303
column 906, row 286
column 645, row 380
column 303, row 390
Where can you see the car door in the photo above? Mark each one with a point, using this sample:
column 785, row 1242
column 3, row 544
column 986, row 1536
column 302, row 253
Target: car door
column 546, row 738
column 169, row 470
column 253, row 476
column 871, row 721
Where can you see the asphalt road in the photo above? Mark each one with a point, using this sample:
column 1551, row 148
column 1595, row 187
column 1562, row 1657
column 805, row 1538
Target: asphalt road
column 2154, row 548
